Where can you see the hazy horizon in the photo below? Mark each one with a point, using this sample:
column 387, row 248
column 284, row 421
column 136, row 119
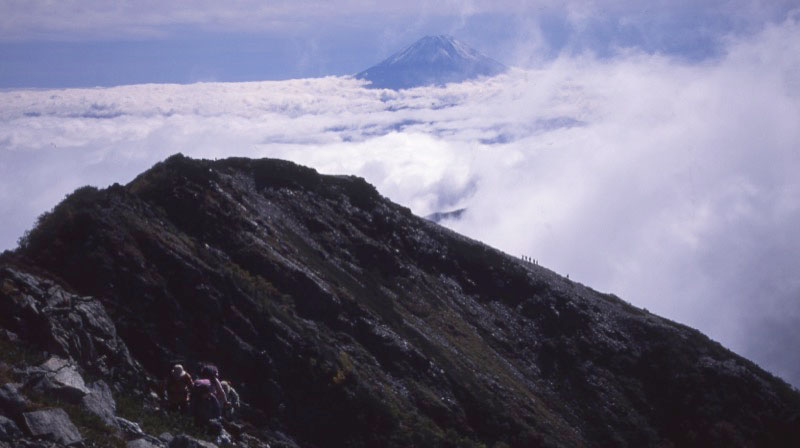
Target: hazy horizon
column 90, row 43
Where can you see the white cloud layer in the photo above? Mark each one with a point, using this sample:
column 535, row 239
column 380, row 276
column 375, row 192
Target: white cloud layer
column 673, row 185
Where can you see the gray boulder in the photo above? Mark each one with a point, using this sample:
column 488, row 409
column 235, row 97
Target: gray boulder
column 133, row 432
column 130, row 429
column 9, row 430
column 184, row 441
column 58, row 378
column 100, row 402
column 12, row 402
column 52, row 424
column 141, row 443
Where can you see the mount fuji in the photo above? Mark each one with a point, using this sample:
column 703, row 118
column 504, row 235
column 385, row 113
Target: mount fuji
column 432, row 60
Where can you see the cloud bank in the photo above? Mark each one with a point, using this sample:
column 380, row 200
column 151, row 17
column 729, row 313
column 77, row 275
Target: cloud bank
column 671, row 184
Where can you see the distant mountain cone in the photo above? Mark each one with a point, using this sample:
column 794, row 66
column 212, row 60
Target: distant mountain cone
column 432, row 60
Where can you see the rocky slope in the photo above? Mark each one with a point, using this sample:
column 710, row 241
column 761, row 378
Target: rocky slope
column 348, row 321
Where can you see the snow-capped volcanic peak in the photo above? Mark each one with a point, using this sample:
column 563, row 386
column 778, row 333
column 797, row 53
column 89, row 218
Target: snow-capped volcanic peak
column 431, row 60
column 435, row 49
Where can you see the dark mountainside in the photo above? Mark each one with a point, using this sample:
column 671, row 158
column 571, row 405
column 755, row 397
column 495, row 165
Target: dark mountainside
column 432, row 60
column 346, row 321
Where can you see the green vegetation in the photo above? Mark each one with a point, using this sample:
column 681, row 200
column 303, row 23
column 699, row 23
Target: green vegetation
column 345, row 368
column 263, row 292
column 17, row 355
column 62, row 214
column 6, row 376
column 132, row 408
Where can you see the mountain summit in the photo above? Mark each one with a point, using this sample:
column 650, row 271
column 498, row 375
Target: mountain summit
column 433, row 60
column 344, row 321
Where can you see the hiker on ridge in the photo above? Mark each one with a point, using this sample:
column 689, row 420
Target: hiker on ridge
column 211, row 373
column 206, row 410
column 233, row 400
column 177, row 387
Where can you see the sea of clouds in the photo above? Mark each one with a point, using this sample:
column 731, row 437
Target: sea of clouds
column 672, row 184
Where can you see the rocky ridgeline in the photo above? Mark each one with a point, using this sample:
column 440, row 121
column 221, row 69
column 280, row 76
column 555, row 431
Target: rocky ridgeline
column 72, row 334
column 39, row 406
column 344, row 320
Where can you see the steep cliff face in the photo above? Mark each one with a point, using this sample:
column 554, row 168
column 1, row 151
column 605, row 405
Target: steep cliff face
column 351, row 322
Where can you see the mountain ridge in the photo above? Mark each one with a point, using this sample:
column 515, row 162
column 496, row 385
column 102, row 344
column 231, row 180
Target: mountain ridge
column 353, row 322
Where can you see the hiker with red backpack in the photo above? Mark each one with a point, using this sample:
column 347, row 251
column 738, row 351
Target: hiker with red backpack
column 176, row 388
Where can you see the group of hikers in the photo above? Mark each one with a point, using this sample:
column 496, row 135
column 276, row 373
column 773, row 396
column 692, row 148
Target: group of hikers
column 205, row 398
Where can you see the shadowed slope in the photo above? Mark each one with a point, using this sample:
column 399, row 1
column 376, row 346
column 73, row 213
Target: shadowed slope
column 353, row 322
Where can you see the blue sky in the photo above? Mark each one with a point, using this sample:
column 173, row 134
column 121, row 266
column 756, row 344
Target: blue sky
column 97, row 43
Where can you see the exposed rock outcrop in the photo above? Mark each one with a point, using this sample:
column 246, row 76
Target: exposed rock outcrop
column 59, row 379
column 140, row 443
column 184, row 441
column 64, row 324
column 100, row 402
column 9, row 431
column 52, row 424
column 12, row 402
column 131, row 430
